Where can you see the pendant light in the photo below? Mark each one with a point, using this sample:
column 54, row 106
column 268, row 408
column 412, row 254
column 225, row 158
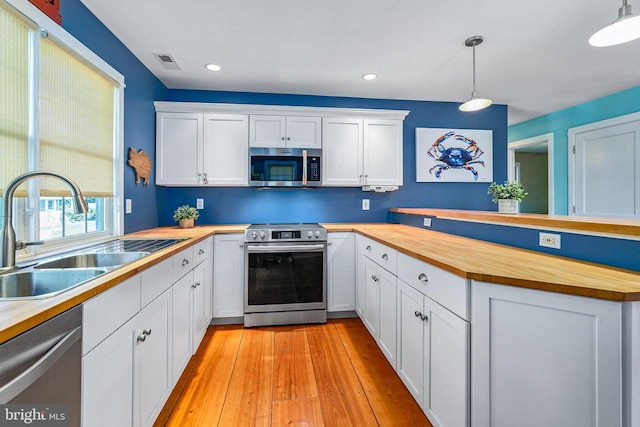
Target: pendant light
column 622, row 30
column 474, row 103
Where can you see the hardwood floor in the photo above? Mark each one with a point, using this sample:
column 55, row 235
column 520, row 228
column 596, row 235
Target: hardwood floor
column 329, row 375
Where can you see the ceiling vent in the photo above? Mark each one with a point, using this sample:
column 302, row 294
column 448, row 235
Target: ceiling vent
column 167, row 61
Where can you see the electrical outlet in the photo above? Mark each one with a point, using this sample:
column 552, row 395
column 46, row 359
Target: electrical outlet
column 427, row 222
column 127, row 206
column 199, row 203
column 550, row 240
column 365, row 204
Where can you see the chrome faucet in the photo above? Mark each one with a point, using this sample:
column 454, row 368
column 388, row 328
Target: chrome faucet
column 9, row 244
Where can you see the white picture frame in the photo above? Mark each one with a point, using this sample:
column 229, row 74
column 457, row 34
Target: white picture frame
column 454, row 155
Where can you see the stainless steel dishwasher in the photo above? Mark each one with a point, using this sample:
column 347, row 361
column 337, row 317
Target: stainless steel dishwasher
column 40, row 371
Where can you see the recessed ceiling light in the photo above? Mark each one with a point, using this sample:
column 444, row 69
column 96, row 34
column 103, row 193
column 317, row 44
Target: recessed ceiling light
column 369, row 76
column 213, row 67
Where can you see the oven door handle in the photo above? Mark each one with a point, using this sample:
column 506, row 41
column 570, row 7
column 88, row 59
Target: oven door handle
column 286, row 248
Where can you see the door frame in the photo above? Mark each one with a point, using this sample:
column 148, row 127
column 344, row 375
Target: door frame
column 572, row 134
column 512, row 147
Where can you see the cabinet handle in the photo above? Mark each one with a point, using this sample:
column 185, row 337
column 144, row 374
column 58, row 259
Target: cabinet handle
column 368, row 248
column 204, row 179
column 199, row 176
column 423, row 277
column 193, row 285
column 146, row 331
column 185, row 262
column 424, row 318
column 197, row 283
column 417, row 313
column 288, row 138
column 241, row 245
column 373, row 277
column 282, row 138
column 141, row 338
column 201, row 251
column 385, row 257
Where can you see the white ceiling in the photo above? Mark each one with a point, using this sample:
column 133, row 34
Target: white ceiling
column 535, row 57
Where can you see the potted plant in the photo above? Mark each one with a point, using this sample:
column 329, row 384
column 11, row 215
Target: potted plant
column 185, row 216
column 508, row 196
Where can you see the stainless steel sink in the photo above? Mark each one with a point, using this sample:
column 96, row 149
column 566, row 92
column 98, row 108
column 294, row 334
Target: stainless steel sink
column 92, row 260
column 43, row 283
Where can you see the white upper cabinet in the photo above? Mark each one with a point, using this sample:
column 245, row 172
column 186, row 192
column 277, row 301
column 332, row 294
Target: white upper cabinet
column 362, row 152
column 285, row 131
column 195, row 149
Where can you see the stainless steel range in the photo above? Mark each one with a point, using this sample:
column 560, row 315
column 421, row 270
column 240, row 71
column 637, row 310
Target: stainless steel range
column 286, row 274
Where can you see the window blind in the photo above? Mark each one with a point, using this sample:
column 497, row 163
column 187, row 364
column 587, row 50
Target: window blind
column 76, row 119
column 14, row 102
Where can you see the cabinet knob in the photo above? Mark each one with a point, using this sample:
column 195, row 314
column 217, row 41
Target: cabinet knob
column 204, row 179
column 146, row 331
column 141, row 338
column 417, row 313
column 423, row 277
column 368, row 248
column 385, row 257
column 185, row 262
column 193, row 285
column 282, row 138
column 288, row 138
column 201, row 251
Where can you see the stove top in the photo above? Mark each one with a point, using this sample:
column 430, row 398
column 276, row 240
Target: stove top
column 285, row 233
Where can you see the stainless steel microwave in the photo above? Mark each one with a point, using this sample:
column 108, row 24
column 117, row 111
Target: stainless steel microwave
column 284, row 167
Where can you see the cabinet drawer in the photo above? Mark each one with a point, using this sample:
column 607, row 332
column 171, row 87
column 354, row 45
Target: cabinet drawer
column 202, row 251
column 156, row 280
column 104, row 313
column 182, row 263
column 445, row 288
column 382, row 255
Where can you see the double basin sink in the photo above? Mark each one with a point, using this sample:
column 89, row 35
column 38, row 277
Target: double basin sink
column 57, row 274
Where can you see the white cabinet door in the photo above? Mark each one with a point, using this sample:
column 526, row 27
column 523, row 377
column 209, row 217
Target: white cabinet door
column 203, row 253
column 267, row 131
column 107, row 389
column 179, row 139
column 387, row 336
column 198, row 305
column 225, row 150
column 304, row 132
column 341, row 273
column 181, row 326
column 342, row 140
column 446, row 392
column 360, row 276
column 411, row 339
column 383, row 152
column 544, row 359
column 228, row 279
column 372, row 297
column 152, row 357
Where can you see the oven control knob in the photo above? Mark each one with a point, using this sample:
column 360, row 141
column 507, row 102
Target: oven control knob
column 254, row 235
column 309, row 234
column 262, row 235
column 317, row 234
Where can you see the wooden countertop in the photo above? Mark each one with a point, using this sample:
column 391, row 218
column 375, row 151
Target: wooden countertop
column 468, row 258
column 591, row 225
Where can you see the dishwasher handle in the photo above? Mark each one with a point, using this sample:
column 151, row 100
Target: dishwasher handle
column 20, row 383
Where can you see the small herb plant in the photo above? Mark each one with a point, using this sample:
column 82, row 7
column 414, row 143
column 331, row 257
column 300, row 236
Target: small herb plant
column 508, row 190
column 185, row 212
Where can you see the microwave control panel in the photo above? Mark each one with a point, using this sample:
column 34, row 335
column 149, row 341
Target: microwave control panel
column 314, row 169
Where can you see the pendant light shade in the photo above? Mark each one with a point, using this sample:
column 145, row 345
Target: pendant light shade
column 622, row 30
column 475, row 103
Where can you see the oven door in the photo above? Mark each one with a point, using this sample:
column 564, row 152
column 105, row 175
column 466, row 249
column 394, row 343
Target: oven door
column 285, row 277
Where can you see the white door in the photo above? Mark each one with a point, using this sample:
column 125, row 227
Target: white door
column 360, row 278
column 382, row 152
column 304, row 132
column 387, row 330
column 342, row 152
column 181, row 326
column 446, row 392
column 606, row 169
column 410, row 364
column 199, row 305
column 178, row 141
column 228, row 275
column 371, row 297
column 225, row 150
column 267, row 131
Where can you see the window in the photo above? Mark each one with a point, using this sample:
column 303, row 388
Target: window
column 60, row 111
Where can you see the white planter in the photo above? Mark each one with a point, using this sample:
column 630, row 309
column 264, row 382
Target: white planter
column 508, row 206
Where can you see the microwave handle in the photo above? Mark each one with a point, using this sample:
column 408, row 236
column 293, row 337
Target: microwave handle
column 304, row 167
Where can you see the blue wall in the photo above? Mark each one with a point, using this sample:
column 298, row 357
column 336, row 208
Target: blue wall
column 244, row 205
column 560, row 122
column 142, row 88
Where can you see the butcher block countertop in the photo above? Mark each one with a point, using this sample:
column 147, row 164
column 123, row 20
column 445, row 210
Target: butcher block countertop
column 468, row 258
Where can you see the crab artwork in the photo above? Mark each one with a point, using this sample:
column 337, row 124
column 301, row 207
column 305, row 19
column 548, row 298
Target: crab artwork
column 455, row 157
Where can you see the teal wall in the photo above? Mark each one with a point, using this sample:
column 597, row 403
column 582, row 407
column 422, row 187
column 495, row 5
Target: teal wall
column 559, row 123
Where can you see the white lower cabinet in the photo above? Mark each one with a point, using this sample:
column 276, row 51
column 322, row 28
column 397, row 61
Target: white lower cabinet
column 433, row 349
column 181, row 325
column 341, row 272
column 545, row 359
column 228, row 275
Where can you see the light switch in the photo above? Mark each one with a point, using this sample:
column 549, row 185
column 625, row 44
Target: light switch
column 199, row 203
column 365, row 204
column 127, row 206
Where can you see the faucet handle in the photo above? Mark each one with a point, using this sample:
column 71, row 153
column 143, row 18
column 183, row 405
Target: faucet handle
column 22, row 245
